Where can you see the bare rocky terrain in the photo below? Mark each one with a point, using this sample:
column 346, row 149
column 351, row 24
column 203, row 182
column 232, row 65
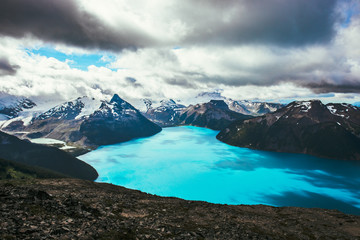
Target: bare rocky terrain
column 79, row 209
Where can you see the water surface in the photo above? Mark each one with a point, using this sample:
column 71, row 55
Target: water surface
column 190, row 163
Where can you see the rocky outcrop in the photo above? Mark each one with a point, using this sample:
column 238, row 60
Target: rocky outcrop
column 310, row 127
column 215, row 115
column 75, row 209
column 50, row 158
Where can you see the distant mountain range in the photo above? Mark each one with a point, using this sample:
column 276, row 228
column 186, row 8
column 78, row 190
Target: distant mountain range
column 165, row 115
column 310, row 127
column 170, row 113
column 253, row 108
column 86, row 122
column 215, row 115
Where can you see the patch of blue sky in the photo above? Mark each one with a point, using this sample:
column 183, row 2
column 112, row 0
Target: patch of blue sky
column 321, row 96
column 351, row 11
column 78, row 61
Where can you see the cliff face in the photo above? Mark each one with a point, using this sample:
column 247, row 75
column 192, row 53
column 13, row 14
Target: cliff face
column 77, row 209
column 309, row 127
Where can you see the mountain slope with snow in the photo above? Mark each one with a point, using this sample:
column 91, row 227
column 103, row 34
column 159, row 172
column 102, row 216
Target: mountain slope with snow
column 87, row 122
column 214, row 115
column 310, row 127
column 253, row 108
column 11, row 106
column 165, row 115
column 116, row 121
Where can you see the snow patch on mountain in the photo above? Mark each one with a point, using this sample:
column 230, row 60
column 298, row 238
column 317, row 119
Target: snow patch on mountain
column 90, row 106
column 304, row 105
column 75, row 109
column 331, row 109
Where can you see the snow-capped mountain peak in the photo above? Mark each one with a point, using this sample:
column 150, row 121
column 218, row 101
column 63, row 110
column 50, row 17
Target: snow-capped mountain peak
column 116, row 109
column 11, row 106
column 167, row 103
column 252, row 108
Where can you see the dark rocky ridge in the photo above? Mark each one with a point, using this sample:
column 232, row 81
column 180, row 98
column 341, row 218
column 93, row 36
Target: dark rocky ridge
column 310, row 127
column 51, row 158
column 76, row 209
column 215, row 115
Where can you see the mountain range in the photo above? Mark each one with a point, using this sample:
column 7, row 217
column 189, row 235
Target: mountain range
column 165, row 115
column 252, row 108
column 310, row 127
column 86, row 122
column 219, row 112
column 215, row 115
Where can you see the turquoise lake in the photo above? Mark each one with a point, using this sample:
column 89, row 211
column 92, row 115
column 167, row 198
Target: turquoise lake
column 190, row 163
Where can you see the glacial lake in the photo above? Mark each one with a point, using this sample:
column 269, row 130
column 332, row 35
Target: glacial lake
column 190, row 163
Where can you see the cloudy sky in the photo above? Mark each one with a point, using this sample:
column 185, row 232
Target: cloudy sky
column 272, row 50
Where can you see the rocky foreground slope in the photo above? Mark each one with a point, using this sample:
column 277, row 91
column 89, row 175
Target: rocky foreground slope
column 77, row 209
column 310, row 127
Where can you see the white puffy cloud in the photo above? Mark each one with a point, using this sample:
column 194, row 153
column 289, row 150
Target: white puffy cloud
column 243, row 62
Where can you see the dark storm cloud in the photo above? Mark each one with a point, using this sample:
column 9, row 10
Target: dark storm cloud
column 279, row 22
column 338, row 88
column 6, row 68
column 63, row 21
